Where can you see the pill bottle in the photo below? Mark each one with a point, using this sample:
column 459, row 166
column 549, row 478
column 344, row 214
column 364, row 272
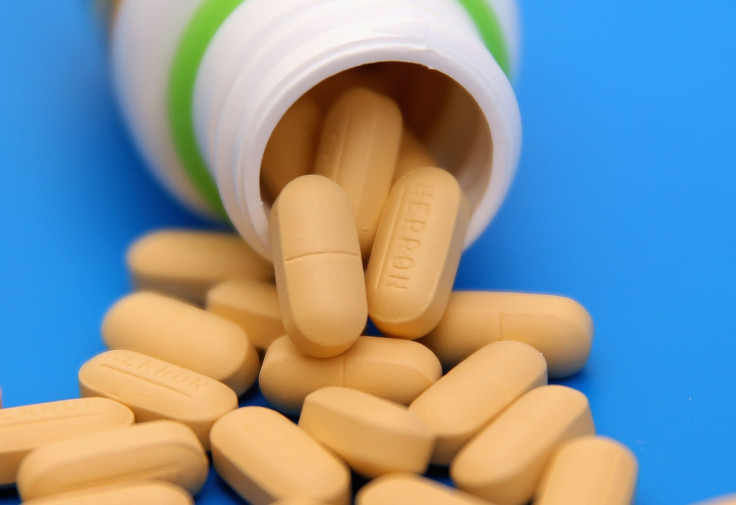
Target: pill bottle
column 203, row 84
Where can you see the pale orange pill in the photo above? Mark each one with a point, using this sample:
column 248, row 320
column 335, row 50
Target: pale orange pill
column 182, row 334
column 155, row 389
column 319, row 270
column 292, row 148
column 264, row 457
column 407, row 489
column 412, row 155
column 329, row 90
column 147, row 492
column 358, row 150
column 187, row 263
column 472, row 394
column 589, row 471
column 252, row 305
column 394, row 369
column 558, row 327
column 505, row 461
column 374, row 436
column 416, row 253
column 23, row 429
column 161, row 450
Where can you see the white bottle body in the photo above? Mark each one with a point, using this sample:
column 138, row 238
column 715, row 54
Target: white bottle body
column 264, row 55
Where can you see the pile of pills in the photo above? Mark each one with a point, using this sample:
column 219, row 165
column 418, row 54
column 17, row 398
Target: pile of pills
column 363, row 225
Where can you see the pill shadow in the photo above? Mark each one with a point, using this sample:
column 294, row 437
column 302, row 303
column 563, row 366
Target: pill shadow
column 9, row 493
column 217, row 487
column 357, row 481
column 254, row 398
column 440, row 474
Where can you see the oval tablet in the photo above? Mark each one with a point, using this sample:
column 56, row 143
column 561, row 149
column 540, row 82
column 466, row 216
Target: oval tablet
column 155, row 389
column 162, row 450
column 252, row 305
column 405, row 489
column 372, row 435
column 149, row 492
column 589, row 471
column 186, row 263
column 326, row 92
column 319, row 270
column 358, row 150
column 264, row 457
column 464, row 401
column 292, row 148
column 558, row 327
column 179, row 333
column 504, row 462
column 416, row 253
column 22, row 429
column 394, row 369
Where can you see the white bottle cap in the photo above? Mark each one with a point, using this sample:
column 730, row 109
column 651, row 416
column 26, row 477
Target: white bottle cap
column 269, row 53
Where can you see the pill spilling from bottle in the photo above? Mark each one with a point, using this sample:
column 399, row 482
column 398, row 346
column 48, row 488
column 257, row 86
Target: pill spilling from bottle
column 351, row 241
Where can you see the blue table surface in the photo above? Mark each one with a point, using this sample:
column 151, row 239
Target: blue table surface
column 625, row 199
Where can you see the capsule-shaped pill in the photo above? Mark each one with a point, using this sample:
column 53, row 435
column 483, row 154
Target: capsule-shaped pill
column 406, row 489
column 148, row 492
column 390, row 368
column 184, row 335
column 264, row 457
column 372, row 435
column 23, row 429
column 505, row 461
column 329, row 90
column 472, row 394
column 416, row 253
column 589, row 471
column 155, row 389
column 412, row 155
column 252, row 305
column 358, row 150
column 292, row 148
column 187, row 263
column 319, row 270
column 161, row 450
column 558, row 327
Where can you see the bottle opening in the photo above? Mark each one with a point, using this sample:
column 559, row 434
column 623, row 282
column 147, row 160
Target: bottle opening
column 438, row 113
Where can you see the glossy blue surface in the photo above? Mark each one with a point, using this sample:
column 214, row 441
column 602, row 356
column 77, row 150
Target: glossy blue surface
column 625, row 200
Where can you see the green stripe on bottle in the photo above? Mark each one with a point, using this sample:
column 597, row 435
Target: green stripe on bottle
column 202, row 28
column 199, row 33
column 490, row 29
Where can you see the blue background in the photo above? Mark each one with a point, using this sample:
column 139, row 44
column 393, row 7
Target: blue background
column 624, row 200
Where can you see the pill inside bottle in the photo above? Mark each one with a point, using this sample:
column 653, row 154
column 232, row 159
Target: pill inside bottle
column 444, row 123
